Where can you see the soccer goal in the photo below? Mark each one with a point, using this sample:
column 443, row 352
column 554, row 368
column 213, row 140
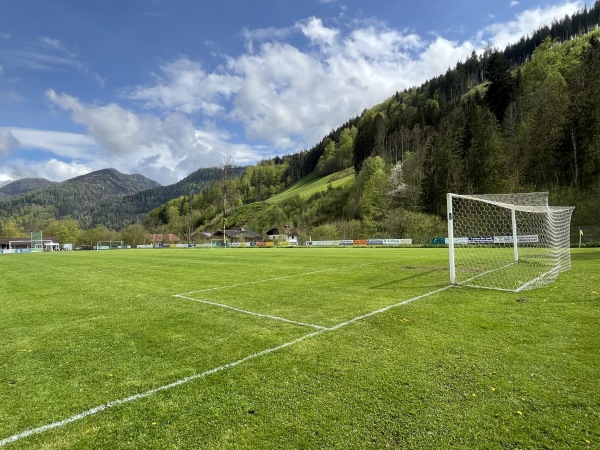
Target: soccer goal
column 218, row 243
column 507, row 241
column 108, row 245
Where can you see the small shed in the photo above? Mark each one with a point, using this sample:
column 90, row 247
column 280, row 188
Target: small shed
column 238, row 235
column 50, row 246
column 165, row 239
column 286, row 233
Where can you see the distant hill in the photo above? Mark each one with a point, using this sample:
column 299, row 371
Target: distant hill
column 23, row 186
column 133, row 208
column 4, row 183
column 112, row 181
column 77, row 198
column 105, row 197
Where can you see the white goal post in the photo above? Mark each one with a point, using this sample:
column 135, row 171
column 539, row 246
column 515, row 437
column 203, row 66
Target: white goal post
column 218, row 243
column 108, row 245
column 507, row 241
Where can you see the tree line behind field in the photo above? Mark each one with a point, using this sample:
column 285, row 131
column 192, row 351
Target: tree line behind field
column 488, row 125
column 526, row 118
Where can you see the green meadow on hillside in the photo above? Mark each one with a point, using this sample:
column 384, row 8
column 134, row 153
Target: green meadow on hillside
column 292, row 348
column 312, row 183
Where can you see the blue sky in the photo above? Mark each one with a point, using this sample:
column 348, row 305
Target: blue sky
column 164, row 87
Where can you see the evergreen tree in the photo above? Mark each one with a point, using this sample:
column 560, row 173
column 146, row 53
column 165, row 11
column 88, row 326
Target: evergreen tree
column 501, row 88
column 585, row 160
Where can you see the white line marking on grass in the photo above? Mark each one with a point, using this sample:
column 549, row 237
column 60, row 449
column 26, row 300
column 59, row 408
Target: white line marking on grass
column 252, row 313
column 105, row 406
column 274, row 279
column 142, row 395
column 385, row 308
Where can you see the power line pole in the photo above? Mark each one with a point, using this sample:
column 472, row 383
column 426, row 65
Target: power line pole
column 227, row 165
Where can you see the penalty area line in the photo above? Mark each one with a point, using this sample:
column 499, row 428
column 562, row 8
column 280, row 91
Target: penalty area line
column 142, row 395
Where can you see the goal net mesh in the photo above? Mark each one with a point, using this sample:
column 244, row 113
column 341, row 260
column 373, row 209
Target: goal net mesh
column 484, row 252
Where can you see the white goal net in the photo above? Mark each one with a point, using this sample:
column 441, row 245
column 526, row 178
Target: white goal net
column 507, row 241
column 108, row 245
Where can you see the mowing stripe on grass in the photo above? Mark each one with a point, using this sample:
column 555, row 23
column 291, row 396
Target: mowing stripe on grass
column 252, row 313
column 385, row 308
column 105, row 406
column 230, row 286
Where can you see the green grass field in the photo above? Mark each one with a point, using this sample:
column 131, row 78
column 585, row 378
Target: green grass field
column 292, row 348
column 311, row 184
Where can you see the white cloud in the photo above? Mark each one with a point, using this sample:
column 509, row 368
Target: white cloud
column 275, row 99
column 266, row 34
column 291, row 98
column 54, row 43
column 284, row 96
column 164, row 149
column 185, row 87
column 36, row 60
column 502, row 34
column 440, row 55
column 5, row 179
column 8, row 142
column 117, row 130
column 54, row 169
column 314, row 30
column 514, row 3
column 66, row 145
column 1, row 69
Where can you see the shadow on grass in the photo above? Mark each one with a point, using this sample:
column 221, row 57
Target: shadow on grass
column 585, row 256
column 412, row 277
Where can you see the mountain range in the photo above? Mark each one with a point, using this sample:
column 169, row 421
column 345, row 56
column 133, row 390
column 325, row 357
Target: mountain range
column 23, row 186
column 104, row 197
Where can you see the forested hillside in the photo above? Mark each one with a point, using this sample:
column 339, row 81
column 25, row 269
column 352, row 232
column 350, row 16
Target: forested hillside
column 118, row 213
column 491, row 124
column 77, row 198
column 105, row 197
column 23, row 186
